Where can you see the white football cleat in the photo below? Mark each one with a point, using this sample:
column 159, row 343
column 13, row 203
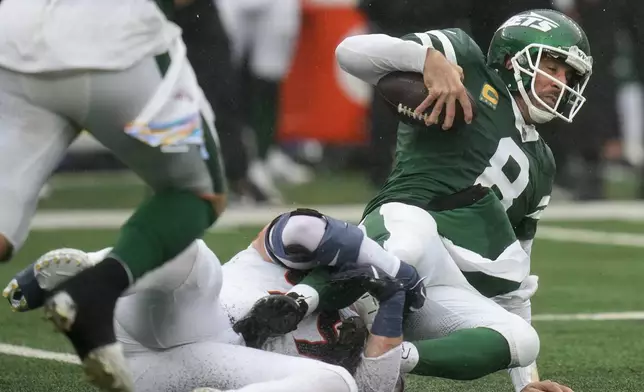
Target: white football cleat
column 56, row 266
column 259, row 175
column 283, row 168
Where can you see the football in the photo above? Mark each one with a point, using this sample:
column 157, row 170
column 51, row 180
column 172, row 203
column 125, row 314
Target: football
column 404, row 91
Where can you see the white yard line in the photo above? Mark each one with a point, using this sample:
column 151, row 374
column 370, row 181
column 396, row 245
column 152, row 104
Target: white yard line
column 590, row 236
column 614, row 316
column 259, row 216
column 28, row 352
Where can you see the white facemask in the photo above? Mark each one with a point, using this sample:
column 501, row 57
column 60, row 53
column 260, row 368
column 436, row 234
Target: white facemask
column 523, row 63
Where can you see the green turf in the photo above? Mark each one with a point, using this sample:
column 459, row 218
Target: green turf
column 587, row 278
column 589, row 356
column 592, row 356
column 601, row 225
column 124, row 190
column 35, row 375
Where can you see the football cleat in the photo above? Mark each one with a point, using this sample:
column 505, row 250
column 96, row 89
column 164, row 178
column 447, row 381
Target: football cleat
column 273, row 315
column 56, row 266
column 27, row 290
column 104, row 366
column 17, row 295
column 82, row 307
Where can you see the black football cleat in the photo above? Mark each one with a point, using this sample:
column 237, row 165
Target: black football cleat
column 83, row 309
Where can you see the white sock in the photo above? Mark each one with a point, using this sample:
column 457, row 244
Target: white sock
column 311, row 296
column 410, row 357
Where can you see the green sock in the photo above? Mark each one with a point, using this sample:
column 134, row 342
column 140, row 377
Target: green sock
column 463, row 355
column 332, row 296
column 264, row 108
column 160, row 229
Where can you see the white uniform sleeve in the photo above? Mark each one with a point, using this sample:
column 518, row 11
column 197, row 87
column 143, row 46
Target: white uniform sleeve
column 527, row 246
column 518, row 302
column 523, row 376
column 370, row 57
column 379, row 374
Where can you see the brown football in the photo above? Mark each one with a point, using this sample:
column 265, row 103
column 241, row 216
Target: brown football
column 404, row 91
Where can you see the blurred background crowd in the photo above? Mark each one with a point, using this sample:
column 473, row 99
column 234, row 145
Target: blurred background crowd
column 286, row 114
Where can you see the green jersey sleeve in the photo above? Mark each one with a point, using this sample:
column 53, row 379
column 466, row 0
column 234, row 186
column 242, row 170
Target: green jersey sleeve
column 167, row 7
column 541, row 188
column 527, row 227
column 458, row 47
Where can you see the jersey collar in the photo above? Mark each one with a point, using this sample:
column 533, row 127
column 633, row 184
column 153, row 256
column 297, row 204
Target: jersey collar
column 528, row 131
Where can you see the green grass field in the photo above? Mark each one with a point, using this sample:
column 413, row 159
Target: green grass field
column 575, row 277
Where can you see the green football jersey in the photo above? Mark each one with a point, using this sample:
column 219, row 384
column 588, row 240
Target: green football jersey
column 497, row 150
column 167, row 6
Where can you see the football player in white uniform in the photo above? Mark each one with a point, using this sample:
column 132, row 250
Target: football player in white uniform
column 117, row 69
column 176, row 324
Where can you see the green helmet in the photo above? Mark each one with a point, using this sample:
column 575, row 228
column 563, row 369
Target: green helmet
column 524, row 39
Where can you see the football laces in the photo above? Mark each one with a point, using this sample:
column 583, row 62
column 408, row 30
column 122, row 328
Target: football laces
column 409, row 112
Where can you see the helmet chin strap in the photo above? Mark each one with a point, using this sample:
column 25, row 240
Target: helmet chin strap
column 537, row 115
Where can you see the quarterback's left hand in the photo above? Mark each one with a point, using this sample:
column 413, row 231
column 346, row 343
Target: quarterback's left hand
column 546, row 386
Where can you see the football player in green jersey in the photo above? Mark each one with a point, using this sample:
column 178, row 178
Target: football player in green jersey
column 462, row 204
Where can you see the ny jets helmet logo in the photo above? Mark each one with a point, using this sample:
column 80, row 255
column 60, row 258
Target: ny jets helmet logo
column 533, row 20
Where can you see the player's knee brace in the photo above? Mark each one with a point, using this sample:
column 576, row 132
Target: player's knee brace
column 524, row 343
column 340, row 243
